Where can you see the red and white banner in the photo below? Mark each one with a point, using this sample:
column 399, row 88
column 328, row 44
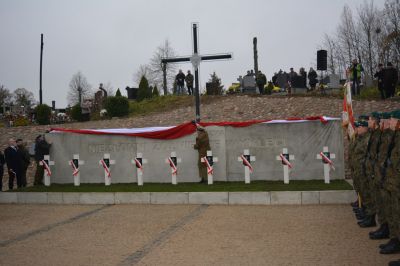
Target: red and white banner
column 247, row 163
column 139, row 165
column 173, row 166
column 106, row 167
column 285, row 161
column 327, row 160
column 210, row 169
column 75, row 170
column 185, row 129
column 46, row 167
column 348, row 116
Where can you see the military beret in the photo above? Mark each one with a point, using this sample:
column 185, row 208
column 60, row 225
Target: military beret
column 395, row 114
column 363, row 117
column 361, row 124
column 384, row 115
column 375, row 115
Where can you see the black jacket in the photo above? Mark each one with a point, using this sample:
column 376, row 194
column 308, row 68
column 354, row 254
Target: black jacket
column 11, row 158
column 390, row 77
column 379, row 75
column 23, row 157
column 42, row 148
column 2, row 160
column 180, row 79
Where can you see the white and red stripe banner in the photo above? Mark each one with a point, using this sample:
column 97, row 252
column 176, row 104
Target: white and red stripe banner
column 210, row 169
column 285, row 161
column 46, row 167
column 138, row 164
column 327, row 160
column 173, row 166
column 75, row 170
column 174, row 132
column 247, row 163
column 106, row 167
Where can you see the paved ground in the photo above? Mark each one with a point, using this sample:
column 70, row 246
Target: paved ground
column 184, row 235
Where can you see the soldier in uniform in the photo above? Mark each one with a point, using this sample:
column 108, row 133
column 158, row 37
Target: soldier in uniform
column 369, row 161
column 202, row 146
column 359, row 151
column 381, row 196
column 189, row 82
column 392, row 187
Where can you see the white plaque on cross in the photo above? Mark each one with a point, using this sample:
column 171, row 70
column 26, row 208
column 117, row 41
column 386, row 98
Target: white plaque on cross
column 326, row 157
column 75, row 163
column 246, row 159
column 139, row 161
column 173, row 163
column 46, row 163
column 209, row 160
column 285, row 158
column 106, row 162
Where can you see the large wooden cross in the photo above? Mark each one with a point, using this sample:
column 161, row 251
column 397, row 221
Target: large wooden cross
column 195, row 59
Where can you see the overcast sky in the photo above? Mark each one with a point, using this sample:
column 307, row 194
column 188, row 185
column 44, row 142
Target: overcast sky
column 108, row 40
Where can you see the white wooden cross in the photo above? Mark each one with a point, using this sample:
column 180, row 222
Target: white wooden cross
column 209, row 160
column 138, row 161
column 246, row 159
column 105, row 163
column 47, row 171
column 75, row 163
column 173, row 163
column 285, row 158
column 326, row 158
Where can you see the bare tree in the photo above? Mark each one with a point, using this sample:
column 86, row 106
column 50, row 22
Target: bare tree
column 156, row 67
column 392, row 13
column 78, row 85
column 5, row 96
column 23, row 97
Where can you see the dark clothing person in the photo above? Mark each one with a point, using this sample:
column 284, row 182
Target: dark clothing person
column 355, row 77
column 2, row 162
column 189, row 83
column 261, row 80
column 23, row 160
column 379, row 76
column 390, row 78
column 12, row 161
column 180, row 82
column 42, row 148
column 312, row 79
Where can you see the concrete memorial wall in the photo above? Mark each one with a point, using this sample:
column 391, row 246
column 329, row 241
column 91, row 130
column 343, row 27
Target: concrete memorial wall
column 304, row 140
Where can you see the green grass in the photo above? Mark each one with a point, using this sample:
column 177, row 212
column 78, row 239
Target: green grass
column 159, row 104
column 299, row 185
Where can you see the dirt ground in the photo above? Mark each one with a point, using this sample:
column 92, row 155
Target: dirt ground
column 184, row 235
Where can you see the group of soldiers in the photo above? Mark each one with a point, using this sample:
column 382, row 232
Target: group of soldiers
column 375, row 165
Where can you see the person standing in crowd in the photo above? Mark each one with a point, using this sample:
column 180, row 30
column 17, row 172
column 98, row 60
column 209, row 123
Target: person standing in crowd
column 2, row 162
column 24, row 160
column 261, row 80
column 292, row 75
column 180, row 82
column 189, row 82
column 11, row 158
column 202, row 146
column 379, row 76
column 390, row 78
column 312, row 78
column 42, row 148
column 355, row 76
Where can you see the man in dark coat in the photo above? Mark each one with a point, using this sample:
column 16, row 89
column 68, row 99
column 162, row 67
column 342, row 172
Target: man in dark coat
column 24, row 160
column 379, row 76
column 261, row 80
column 189, row 82
column 180, row 82
column 42, row 148
column 390, row 77
column 2, row 162
column 12, row 161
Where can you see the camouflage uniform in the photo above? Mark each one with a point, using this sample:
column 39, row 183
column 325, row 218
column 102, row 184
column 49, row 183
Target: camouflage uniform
column 382, row 197
column 363, row 183
column 202, row 146
column 370, row 161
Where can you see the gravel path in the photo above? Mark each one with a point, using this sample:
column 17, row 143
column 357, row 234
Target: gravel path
column 184, row 235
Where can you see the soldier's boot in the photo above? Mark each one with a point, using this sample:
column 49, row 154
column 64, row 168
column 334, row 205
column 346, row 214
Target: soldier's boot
column 354, row 204
column 381, row 246
column 381, row 233
column 368, row 221
column 360, row 215
column 394, row 263
column 392, row 248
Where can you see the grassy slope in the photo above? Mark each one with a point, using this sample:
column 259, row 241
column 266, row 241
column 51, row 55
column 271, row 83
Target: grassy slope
column 310, row 185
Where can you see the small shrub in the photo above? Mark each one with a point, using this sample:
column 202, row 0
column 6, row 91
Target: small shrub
column 43, row 113
column 118, row 93
column 144, row 91
column 117, row 106
column 21, row 122
column 76, row 112
column 156, row 93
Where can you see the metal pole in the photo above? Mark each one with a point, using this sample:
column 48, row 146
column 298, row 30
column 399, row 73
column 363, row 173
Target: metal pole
column 41, row 60
column 255, row 55
column 196, row 75
column 164, row 68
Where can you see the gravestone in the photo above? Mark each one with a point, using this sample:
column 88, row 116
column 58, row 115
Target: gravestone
column 132, row 93
column 368, row 82
column 249, row 84
column 334, row 81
